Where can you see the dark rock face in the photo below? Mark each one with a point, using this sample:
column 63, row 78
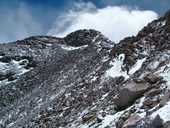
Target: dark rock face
column 157, row 122
column 85, row 37
column 5, row 59
column 64, row 82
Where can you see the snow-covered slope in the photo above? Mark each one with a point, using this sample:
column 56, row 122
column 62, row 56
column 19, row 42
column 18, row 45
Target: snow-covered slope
column 84, row 80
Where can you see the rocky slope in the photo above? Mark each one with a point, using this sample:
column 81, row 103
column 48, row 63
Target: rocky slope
column 85, row 80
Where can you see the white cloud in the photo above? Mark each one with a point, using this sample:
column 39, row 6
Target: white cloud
column 17, row 23
column 113, row 21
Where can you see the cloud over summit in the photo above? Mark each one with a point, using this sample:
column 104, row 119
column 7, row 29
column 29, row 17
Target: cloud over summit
column 113, row 21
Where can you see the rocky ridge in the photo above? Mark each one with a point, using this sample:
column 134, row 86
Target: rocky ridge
column 85, row 80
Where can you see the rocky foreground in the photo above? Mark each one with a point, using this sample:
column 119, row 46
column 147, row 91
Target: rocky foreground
column 84, row 80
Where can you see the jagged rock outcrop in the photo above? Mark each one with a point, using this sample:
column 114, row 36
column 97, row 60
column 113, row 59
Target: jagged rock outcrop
column 85, row 80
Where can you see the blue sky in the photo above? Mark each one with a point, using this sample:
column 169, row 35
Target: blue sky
column 23, row 18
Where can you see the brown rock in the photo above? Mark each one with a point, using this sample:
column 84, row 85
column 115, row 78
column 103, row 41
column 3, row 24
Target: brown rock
column 130, row 93
column 153, row 92
column 119, row 123
column 152, row 78
column 105, row 88
column 167, row 28
column 118, row 80
column 131, row 121
column 88, row 116
column 150, row 103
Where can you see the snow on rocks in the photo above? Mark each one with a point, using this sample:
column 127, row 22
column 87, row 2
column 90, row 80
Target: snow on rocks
column 153, row 78
column 49, row 44
column 117, row 70
column 132, row 120
column 163, row 112
column 110, row 119
column 84, row 90
column 70, row 48
column 137, row 66
column 12, row 70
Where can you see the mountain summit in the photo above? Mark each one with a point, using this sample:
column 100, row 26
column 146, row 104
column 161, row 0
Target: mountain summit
column 84, row 80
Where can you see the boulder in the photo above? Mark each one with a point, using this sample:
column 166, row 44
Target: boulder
column 152, row 78
column 131, row 92
column 157, row 122
column 150, row 102
column 153, row 92
column 132, row 121
column 88, row 116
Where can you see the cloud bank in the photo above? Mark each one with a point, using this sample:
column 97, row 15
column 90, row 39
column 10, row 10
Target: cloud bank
column 114, row 22
column 17, row 23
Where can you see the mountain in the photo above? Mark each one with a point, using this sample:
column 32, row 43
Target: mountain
column 85, row 80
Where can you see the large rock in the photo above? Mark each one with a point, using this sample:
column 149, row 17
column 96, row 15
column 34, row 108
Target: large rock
column 88, row 116
column 152, row 78
column 153, row 92
column 157, row 122
column 130, row 93
column 131, row 121
column 150, row 102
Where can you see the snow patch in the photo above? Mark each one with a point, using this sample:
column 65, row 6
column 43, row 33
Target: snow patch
column 5, row 82
column 49, row 44
column 137, row 66
column 109, row 119
column 57, row 94
column 17, row 68
column 94, row 78
column 163, row 112
column 13, row 67
column 116, row 69
column 70, row 48
column 163, row 23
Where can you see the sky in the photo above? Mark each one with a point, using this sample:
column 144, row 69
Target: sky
column 116, row 19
